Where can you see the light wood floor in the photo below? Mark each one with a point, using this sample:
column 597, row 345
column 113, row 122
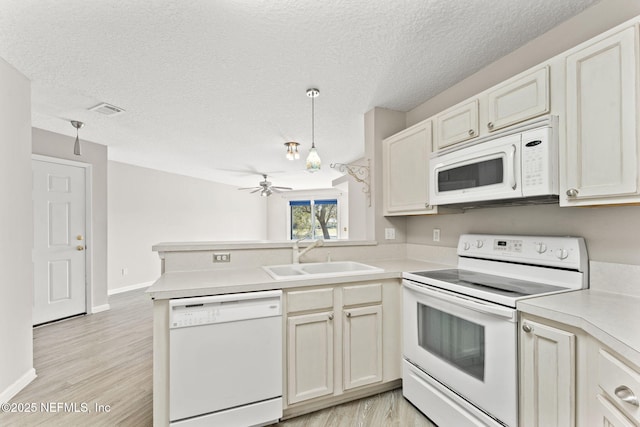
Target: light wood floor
column 106, row 359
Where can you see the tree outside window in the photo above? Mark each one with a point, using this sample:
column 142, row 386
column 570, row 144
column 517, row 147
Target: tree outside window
column 314, row 219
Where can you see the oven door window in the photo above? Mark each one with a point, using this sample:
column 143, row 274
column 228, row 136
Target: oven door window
column 486, row 172
column 457, row 341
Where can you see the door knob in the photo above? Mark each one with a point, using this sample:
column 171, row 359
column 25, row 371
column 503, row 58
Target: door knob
column 79, row 237
column 80, row 248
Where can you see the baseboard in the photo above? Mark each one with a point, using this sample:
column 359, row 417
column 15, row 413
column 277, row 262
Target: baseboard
column 15, row 388
column 99, row 308
column 129, row 288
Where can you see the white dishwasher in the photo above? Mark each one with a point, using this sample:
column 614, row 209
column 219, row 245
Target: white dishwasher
column 225, row 360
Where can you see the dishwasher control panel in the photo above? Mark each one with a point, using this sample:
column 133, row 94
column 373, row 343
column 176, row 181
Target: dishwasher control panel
column 189, row 312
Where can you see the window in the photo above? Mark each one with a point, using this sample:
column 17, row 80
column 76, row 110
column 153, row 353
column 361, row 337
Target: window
column 322, row 224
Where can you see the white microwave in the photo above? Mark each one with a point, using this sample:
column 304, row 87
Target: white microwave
column 516, row 167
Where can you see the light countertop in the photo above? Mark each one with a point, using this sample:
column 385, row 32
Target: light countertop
column 613, row 319
column 181, row 284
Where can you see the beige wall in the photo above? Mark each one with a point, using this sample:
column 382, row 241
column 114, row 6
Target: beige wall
column 612, row 233
column 148, row 206
column 16, row 233
column 60, row 146
column 379, row 124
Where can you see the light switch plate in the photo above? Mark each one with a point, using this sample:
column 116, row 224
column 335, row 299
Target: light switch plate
column 436, row 234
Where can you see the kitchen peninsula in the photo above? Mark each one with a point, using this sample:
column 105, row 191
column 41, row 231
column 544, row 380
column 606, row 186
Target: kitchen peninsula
column 190, row 272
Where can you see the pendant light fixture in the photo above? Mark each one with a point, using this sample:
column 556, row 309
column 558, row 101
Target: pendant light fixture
column 292, row 150
column 313, row 159
column 76, row 145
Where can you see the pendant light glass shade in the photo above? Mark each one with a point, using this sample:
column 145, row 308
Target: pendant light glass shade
column 313, row 159
column 76, row 146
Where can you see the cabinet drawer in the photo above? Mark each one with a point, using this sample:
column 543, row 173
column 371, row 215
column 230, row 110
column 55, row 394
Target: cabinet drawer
column 315, row 299
column 362, row 294
column 618, row 381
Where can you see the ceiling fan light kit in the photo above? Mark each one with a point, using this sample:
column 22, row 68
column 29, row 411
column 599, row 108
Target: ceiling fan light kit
column 313, row 159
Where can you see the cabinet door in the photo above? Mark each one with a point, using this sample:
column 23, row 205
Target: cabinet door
column 547, row 386
column 518, row 100
column 406, row 171
column 457, row 124
column 310, row 356
column 608, row 415
column 601, row 148
column 362, row 346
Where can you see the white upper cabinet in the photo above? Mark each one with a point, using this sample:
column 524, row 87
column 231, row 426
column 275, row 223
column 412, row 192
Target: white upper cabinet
column 457, row 124
column 405, row 157
column 599, row 163
column 518, row 99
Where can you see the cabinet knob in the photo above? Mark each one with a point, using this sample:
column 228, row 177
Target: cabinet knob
column 527, row 327
column 348, row 314
column 331, row 316
column 80, row 248
column 471, row 132
column 490, row 125
column 572, row 192
column 625, row 394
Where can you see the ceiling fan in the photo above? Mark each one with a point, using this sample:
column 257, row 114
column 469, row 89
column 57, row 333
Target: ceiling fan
column 265, row 187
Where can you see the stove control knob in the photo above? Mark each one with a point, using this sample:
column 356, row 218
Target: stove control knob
column 562, row 253
column 541, row 248
column 479, row 244
column 466, row 246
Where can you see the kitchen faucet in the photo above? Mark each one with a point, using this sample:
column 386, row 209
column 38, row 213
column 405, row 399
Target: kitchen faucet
column 298, row 253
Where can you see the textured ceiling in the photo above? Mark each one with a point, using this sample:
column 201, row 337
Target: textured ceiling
column 211, row 86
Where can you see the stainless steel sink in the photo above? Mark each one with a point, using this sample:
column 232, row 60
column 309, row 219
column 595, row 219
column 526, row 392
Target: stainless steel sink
column 319, row 269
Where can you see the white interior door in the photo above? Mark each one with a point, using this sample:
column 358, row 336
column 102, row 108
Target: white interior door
column 59, row 241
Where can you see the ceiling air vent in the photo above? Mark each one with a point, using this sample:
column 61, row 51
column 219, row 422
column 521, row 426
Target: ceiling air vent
column 106, row 109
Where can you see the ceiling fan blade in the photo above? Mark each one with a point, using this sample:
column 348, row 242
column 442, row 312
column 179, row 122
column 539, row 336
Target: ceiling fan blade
column 282, row 188
column 257, row 189
column 249, row 188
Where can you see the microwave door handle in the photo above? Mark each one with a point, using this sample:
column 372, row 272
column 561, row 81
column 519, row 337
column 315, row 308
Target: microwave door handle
column 512, row 178
column 461, row 301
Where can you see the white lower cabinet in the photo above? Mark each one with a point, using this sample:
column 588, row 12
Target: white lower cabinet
column 341, row 341
column 362, row 346
column 547, row 375
column 607, row 415
column 618, row 399
column 310, row 352
column 569, row 378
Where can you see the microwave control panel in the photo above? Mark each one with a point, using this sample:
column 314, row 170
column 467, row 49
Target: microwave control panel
column 538, row 164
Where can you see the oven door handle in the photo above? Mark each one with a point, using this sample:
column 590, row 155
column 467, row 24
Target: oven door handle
column 491, row 309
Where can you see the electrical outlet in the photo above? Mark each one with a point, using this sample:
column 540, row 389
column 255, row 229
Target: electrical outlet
column 436, row 234
column 125, row 271
column 389, row 233
column 222, row 257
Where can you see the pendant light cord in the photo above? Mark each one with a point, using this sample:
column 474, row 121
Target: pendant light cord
column 313, row 123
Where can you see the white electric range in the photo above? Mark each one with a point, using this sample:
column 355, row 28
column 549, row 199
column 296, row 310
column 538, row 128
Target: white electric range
column 460, row 325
